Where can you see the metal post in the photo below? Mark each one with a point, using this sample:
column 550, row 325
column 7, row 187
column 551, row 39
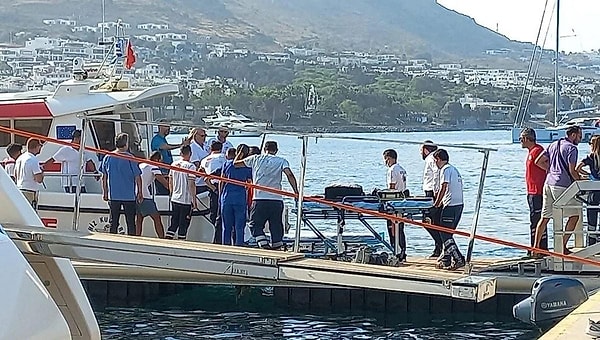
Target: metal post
column 557, row 57
column 300, row 193
column 262, row 141
column 80, row 175
column 486, row 158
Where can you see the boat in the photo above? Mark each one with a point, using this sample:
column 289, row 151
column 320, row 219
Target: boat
column 238, row 124
column 42, row 296
column 101, row 102
column 589, row 125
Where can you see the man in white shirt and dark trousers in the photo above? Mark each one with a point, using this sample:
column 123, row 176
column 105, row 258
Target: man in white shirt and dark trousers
column 450, row 200
column 431, row 185
column 183, row 195
column 395, row 180
column 267, row 170
column 68, row 156
column 147, row 207
column 200, row 150
column 28, row 173
column 213, row 165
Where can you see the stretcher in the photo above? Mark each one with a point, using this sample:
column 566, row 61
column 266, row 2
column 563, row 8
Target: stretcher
column 410, row 207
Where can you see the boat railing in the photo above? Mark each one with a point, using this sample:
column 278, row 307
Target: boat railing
column 472, row 235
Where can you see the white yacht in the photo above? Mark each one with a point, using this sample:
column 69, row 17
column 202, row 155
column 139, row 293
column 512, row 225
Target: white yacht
column 589, row 125
column 238, row 124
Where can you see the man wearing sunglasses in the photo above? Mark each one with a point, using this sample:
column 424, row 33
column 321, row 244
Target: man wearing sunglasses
column 222, row 137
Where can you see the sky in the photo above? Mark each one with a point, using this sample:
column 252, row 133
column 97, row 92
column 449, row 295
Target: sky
column 520, row 20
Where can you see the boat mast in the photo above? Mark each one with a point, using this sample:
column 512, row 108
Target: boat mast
column 556, row 59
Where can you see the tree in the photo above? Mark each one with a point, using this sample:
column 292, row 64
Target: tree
column 351, row 109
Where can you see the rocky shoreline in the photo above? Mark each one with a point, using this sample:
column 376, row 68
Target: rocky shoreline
column 373, row 129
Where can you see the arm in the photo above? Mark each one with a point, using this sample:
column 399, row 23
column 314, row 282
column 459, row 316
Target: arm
column 138, row 184
column 292, row 179
column 574, row 172
column 579, row 169
column 49, row 161
column 542, row 161
column 440, row 195
column 162, row 180
column 167, row 146
column 105, row 186
column 192, row 186
column 170, row 183
column 38, row 178
column 239, row 163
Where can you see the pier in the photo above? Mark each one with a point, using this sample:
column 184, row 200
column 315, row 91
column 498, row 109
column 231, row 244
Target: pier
column 574, row 326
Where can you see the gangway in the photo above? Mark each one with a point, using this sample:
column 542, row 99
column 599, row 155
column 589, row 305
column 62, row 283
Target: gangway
column 247, row 263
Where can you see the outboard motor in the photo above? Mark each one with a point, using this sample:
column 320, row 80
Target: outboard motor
column 552, row 298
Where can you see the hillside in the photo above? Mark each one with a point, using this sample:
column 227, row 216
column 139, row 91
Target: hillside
column 399, row 26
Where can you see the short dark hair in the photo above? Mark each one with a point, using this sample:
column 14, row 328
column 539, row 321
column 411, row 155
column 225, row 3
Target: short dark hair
column 231, row 152
column 156, row 156
column 442, row 155
column 216, row 146
column 428, row 145
column 76, row 134
column 33, row 143
column 254, row 150
column 13, row 149
column 391, row 153
column 185, row 150
column 271, row 146
column 243, row 150
column 573, row 129
column 121, row 140
column 529, row 133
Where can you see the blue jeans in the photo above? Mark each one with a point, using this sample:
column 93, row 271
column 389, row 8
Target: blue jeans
column 234, row 217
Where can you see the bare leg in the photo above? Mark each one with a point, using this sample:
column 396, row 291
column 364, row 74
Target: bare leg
column 539, row 231
column 139, row 219
column 571, row 224
column 158, row 226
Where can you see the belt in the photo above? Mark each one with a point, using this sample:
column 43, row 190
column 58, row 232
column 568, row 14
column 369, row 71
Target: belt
column 27, row 190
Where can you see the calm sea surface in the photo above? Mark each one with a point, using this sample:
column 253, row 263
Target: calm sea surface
column 504, row 215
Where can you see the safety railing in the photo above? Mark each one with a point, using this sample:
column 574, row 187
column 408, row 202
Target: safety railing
column 342, row 206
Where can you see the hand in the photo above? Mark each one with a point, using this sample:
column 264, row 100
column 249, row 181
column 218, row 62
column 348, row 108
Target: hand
column 140, row 197
column 105, row 197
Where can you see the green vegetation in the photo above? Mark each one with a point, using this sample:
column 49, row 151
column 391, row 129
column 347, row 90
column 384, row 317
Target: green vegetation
column 352, row 95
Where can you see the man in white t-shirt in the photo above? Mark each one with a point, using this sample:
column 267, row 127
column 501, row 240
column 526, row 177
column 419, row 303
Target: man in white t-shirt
column 28, row 173
column 200, row 150
column 450, row 200
column 14, row 150
column 147, row 207
column 396, row 180
column 183, row 195
column 68, row 156
column 213, row 165
column 221, row 137
column 267, row 170
column 431, row 185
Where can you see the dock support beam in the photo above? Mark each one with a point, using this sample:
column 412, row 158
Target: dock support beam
column 486, row 158
column 80, row 174
column 301, row 192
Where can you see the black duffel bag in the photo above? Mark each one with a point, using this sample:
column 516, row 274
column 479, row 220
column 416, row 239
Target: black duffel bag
column 338, row 192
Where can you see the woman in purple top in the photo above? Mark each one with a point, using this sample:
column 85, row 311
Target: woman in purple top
column 233, row 197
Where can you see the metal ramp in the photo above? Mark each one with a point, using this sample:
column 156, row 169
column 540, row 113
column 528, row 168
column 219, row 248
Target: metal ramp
column 247, row 263
column 578, row 191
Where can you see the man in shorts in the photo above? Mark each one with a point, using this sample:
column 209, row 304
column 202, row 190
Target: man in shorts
column 147, row 207
column 560, row 160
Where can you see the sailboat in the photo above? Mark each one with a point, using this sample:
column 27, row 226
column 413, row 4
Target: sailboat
column 589, row 125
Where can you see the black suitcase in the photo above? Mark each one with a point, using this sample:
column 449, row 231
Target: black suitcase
column 338, row 192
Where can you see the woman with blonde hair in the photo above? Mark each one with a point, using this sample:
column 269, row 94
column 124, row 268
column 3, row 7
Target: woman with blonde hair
column 592, row 161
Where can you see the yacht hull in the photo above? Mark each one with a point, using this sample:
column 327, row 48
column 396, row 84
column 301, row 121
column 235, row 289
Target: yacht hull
column 549, row 135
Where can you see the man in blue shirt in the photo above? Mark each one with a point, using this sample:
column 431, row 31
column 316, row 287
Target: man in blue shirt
column 121, row 185
column 234, row 203
column 159, row 143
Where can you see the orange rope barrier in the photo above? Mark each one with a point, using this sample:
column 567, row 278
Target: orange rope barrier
column 310, row 199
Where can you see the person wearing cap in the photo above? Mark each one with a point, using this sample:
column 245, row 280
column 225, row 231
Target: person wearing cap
column 28, row 173
column 221, row 136
column 159, row 143
column 68, row 156
column 14, row 150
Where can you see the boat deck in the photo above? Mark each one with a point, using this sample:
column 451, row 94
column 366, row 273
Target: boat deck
column 154, row 259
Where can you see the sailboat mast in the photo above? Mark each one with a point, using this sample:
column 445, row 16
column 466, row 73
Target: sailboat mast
column 556, row 59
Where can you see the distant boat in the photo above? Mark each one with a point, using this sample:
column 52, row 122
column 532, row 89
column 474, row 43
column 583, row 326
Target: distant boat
column 589, row 125
column 238, row 124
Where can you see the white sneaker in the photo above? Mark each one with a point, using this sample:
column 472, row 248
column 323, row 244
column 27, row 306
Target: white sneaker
column 593, row 329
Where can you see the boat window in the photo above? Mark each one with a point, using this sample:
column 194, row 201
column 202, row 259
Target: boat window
column 37, row 126
column 105, row 134
column 136, row 146
column 4, row 137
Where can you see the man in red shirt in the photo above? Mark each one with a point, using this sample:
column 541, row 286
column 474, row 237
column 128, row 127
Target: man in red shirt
column 534, row 177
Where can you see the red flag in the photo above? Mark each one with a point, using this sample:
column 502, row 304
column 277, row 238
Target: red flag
column 130, row 57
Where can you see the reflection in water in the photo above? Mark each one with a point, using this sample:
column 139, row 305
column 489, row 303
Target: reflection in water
column 148, row 324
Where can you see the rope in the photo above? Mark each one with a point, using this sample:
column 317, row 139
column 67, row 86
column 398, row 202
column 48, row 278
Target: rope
column 341, row 206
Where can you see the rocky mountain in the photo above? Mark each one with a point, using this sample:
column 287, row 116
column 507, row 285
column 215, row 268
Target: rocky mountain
column 400, row 26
